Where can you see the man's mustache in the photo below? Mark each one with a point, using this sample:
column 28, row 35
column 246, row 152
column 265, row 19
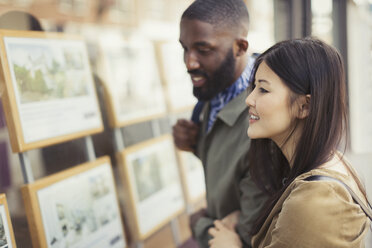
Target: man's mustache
column 197, row 72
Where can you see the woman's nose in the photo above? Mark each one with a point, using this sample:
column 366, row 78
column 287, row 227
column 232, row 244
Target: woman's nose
column 250, row 101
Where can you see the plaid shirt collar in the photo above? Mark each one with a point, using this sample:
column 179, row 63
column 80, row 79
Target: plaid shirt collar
column 224, row 97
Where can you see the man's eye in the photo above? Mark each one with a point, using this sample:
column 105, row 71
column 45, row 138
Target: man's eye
column 262, row 90
column 204, row 50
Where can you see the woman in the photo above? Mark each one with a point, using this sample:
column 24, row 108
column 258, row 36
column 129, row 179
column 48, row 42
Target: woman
column 298, row 118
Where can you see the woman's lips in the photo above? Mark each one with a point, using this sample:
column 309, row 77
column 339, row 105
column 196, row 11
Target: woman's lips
column 253, row 118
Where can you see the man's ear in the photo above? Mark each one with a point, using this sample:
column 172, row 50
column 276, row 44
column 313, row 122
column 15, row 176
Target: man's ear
column 304, row 106
column 242, row 46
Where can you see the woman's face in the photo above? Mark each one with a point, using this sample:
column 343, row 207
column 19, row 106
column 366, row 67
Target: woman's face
column 270, row 114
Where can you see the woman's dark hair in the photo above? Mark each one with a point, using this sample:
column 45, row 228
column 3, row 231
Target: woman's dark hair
column 306, row 66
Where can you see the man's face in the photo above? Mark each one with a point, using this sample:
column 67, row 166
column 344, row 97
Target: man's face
column 208, row 56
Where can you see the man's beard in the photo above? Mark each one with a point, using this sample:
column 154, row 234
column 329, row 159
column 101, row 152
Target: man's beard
column 221, row 79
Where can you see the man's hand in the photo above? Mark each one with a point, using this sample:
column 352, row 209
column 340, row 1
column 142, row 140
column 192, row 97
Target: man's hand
column 185, row 135
column 231, row 220
column 196, row 216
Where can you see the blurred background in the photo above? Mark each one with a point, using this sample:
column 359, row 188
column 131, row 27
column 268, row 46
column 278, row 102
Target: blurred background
column 346, row 24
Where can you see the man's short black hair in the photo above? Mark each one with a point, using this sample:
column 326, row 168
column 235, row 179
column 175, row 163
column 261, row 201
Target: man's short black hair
column 231, row 13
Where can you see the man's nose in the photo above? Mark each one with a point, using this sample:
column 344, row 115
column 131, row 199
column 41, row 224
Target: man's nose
column 191, row 62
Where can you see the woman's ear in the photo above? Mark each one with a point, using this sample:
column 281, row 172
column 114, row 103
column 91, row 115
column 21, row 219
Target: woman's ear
column 304, row 106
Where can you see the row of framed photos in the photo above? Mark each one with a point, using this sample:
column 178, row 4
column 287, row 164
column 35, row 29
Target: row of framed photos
column 157, row 188
column 128, row 13
column 50, row 94
column 79, row 207
column 49, row 97
column 143, row 79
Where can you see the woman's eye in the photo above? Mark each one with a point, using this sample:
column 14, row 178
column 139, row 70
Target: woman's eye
column 262, row 90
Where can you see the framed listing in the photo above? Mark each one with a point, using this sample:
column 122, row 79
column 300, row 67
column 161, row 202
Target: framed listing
column 49, row 90
column 178, row 85
column 124, row 12
column 133, row 87
column 193, row 176
column 152, row 183
column 77, row 207
column 6, row 230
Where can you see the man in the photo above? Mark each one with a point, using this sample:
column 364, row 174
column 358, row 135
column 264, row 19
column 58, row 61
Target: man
column 213, row 36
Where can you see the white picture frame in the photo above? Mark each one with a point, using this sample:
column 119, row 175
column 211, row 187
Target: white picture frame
column 193, row 177
column 152, row 183
column 176, row 80
column 132, row 83
column 77, row 207
column 49, row 94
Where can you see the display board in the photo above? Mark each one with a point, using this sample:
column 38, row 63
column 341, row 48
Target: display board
column 133, row 88
column 49, row 92
column 76, row 7
column 122, row 11
column 193, row 176
column 152, row 184
column 77, row 207
column 6, row 230
column 177, row 82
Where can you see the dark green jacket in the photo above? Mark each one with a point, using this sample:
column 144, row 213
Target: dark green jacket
column 223, row 152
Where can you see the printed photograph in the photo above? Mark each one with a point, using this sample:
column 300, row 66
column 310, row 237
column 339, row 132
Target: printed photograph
column 45, row 73
column 82, row 218
column 154, row 170
column 131, row 75
column 147, row 176
column 123, row 11
column 6, row 231
column 3, row 238
column 194, row 175
column 73, row 7
column 51, row 89
column 74, row 223
column 177, row 80
column 154, row 181
column 78, row 210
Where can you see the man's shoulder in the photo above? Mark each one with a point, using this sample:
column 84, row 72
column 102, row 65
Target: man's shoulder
column 237, row 103
column 232, row 112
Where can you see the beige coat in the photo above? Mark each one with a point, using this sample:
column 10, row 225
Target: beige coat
column 315, row 214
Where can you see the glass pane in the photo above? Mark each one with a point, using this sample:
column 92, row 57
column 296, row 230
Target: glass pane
column 261, row 29
column 322, row 23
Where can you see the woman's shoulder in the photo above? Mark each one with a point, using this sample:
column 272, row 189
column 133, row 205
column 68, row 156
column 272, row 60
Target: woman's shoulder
column 316, row 194
column 335, row 177
column 320, row 213
column 319, row 207
column 320, row 193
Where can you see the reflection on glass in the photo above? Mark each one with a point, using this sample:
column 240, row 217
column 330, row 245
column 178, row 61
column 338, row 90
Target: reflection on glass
column 261, row 27
column 322, row 19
